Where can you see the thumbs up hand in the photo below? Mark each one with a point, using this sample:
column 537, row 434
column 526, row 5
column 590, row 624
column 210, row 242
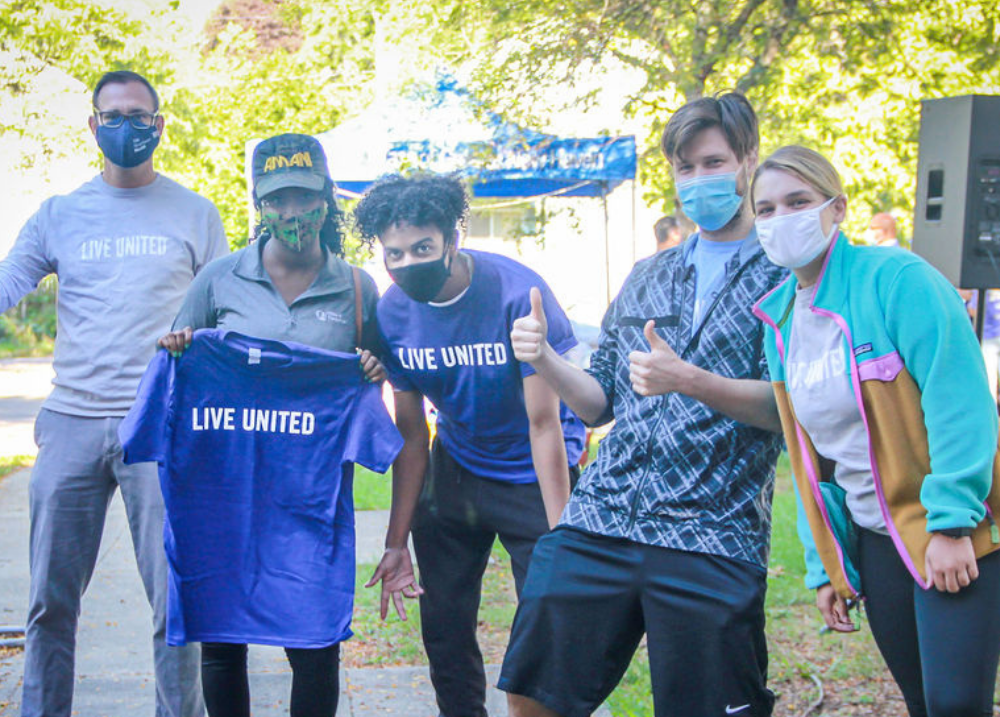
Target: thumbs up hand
column 658, row 371
column 528, row 335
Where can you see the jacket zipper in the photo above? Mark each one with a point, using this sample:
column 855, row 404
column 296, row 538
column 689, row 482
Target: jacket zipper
column 876, row 475
column 633, row 513
column 810, row 472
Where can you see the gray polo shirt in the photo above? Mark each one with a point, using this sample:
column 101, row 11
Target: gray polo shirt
column 236, row 293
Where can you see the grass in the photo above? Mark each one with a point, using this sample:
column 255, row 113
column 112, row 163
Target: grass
column 850, row 671
column 19, row 347
column 372, row 491
column 395, row 642
column 9, row 464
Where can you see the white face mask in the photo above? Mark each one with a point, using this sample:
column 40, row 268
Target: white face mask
column 794, row 240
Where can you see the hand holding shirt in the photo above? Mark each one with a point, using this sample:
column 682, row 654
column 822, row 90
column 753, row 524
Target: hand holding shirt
column 256, row 442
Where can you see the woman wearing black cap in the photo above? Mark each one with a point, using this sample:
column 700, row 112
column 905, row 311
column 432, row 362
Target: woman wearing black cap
column 291, row 284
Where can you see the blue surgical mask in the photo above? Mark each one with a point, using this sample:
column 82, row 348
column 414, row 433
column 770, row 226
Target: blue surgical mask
column 710, row 201
column 126, row 146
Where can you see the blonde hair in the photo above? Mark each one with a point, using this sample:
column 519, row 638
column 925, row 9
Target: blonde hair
column 808, row 165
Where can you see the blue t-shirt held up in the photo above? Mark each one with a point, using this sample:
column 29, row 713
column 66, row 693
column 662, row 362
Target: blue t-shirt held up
column 459, row 356
column 256, row 442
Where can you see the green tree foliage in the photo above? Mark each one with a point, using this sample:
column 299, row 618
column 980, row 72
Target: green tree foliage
column 75, row 40
column 845, row 77
column 290, row 67
column 83, row 39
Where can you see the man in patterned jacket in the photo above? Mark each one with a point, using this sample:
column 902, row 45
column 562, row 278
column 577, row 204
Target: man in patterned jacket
column 667, row 533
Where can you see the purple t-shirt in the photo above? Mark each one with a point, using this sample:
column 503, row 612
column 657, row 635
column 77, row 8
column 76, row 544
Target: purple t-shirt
column 459, row 356
column 256, row 442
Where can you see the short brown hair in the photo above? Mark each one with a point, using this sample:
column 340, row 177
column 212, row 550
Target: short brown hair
column 730, row 112
column 663, row 227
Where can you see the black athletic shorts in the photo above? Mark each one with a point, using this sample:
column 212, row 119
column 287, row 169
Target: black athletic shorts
column 589, row 598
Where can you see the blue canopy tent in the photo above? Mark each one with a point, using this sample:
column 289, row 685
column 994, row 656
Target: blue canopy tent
column 440, row 131
column 528, row 165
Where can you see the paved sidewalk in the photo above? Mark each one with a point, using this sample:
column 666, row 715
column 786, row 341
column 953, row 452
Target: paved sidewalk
column 114, row 657
column 24, row 384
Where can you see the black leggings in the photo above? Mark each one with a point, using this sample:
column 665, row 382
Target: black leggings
column 315, row 681
column 942, row 648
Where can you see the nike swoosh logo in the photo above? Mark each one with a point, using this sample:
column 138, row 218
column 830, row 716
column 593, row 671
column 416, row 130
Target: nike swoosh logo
column 734, row 710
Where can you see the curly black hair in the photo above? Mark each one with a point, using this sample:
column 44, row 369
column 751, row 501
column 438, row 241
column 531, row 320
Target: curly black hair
column 331, row 234
column 419, row 201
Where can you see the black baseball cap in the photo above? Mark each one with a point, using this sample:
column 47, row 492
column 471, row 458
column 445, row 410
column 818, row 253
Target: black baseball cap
column 289, row 160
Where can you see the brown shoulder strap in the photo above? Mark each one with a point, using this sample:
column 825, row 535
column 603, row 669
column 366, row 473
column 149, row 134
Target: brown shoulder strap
column 357, row 305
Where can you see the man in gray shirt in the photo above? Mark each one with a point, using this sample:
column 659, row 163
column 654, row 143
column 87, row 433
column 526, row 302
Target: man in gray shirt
column 125, row 247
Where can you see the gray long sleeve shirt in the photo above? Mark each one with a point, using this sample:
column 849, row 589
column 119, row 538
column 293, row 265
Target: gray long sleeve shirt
column 124, row 258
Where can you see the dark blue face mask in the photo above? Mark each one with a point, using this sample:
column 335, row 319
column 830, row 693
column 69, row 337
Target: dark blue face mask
column 126, row 146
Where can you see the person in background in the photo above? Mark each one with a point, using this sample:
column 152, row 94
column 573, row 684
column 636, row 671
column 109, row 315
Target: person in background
column 991, row 331
column 882, row 230
column 125, row 246
column 505, row 450
column 668, row 232
column 892, row 436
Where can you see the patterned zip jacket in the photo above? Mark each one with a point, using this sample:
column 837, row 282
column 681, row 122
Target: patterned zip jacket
column 673, row 472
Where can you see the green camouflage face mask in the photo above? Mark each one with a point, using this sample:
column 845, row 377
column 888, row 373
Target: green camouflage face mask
column 295, row 232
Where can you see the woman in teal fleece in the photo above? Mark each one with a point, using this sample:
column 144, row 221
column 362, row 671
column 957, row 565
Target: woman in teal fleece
column 892, row 436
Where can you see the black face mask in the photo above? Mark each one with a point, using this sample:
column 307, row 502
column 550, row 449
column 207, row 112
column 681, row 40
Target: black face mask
column 422, row 282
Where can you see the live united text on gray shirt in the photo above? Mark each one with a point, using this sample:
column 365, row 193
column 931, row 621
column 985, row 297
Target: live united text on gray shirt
column 236, row 293
column 124, row 258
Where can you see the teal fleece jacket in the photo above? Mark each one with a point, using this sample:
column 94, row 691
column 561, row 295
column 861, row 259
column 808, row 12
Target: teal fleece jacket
column 895, row 311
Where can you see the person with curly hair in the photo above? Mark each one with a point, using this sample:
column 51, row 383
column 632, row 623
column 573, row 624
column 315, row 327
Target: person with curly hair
column 505, row 448
column 290, row 284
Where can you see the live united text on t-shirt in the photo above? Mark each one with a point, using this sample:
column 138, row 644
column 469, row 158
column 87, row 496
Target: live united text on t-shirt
column 256, row 441
column 458, row 355
column 124, row 258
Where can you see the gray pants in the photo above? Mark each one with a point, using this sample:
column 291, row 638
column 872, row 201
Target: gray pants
column 79, row 465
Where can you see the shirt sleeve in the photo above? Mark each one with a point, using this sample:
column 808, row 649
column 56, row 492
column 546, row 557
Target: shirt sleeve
column 604, row 361
column 26, row 264
column 372, row 439
column 216, row 244
column 926, row 322
column 198, row 309
column 815, row 572
column 144, row 432
column 370, row 338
